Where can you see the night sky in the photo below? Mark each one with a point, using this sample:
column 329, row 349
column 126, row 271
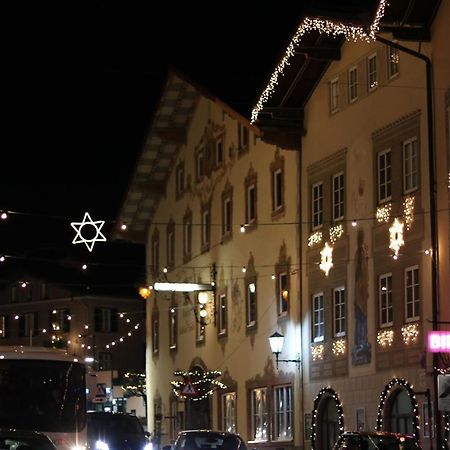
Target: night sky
column 80, row 82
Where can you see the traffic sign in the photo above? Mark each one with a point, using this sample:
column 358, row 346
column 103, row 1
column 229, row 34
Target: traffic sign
column 444, row 392
column 189, row 389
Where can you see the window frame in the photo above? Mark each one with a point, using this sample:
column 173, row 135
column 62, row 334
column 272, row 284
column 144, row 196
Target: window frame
column 389, row 308
column 372, row 72
column 320, row 323
column 339, row 320
column 392, row 52
column 286, row 413
column 416, row 303
column 251, row 316
column 282, row 302
column 340, row 192
column 223, row 314
column 387, row 169
column 259, row 414
column 227, row 215
column 155, row 334
column 173, row 327
column 250, row 213
column 317, row 215
column 410, row 169
column 334, row 95
column 352, row 84
column 277, row 200
column 229, row 421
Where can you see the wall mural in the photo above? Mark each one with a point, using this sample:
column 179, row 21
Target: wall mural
column 361, row 351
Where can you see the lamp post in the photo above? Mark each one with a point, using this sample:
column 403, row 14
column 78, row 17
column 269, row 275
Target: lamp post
column 276, row 341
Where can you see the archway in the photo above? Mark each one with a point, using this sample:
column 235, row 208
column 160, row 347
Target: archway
column 197, row 411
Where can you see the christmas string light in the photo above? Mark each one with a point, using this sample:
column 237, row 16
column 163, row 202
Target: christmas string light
column 317, row 351
column 410, row 333
column 384, row 212
column 122, row 338
column 204, row 384
column 329, row 27
column 314, row 238
column 396, row 236
column 385, row 393
column 326, row 262
column 408, row 211
column 339, row 347
column 326, row 392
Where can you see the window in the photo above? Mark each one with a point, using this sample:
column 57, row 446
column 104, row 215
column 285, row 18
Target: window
column 206, row 227
column 384, row 176
column 338, row 196
column 170, row 247
column 229, row 412
column 318, row 318
column 106, row 320
column 259, row 415
column 385, row 298
column 283, row 293
column 28, row 324
column 44, row 291
column 372, row 79
column 277, row 200
column 317, row 205
column 352, row 84
column 410, row 166
column 283, row 413
column 155, row 252
column 179, row 179
column 219, row 152
column 242, row 137
column 334, row 95
column 393, row 61
column 223, row 314
column 339, row 311
column 200, row 166
column 250, row 212
column 251, row 304
column 200, row 327
column 155, row 334
column 227, row 215
column 3, row 326
column 187, row 236
column 59, row 320
column 172, row 328
column 104, row 361
column 412, row 296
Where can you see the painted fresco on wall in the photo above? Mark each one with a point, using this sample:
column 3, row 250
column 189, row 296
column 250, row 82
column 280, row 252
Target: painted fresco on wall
column 361, row 351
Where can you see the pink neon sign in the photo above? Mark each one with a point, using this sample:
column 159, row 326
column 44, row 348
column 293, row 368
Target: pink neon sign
column 439, row 341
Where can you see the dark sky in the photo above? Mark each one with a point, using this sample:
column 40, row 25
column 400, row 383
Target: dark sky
column 80, row 80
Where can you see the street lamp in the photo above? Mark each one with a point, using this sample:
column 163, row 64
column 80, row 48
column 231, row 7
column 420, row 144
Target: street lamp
column 276, row 341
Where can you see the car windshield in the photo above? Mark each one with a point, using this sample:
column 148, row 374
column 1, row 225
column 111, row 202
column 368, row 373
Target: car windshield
column 115, row 423
column 195, row 441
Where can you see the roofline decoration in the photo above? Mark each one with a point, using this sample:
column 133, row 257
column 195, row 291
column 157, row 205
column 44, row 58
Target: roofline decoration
column 330, row 27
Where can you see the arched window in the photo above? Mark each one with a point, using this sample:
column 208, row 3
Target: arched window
column 400, row 413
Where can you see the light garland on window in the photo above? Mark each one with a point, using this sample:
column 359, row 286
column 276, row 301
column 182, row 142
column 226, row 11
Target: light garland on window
column 384, row 212
column 385, row 337
column 326, row 392
column 385, row 393
column 396, row 236
column 350, row 32
column 410, row 333
column 326, row 262
column 336, row 232
column 317, row 351
column 408, row 211
column 204, row 383
column 315, row 238
column 339, row 347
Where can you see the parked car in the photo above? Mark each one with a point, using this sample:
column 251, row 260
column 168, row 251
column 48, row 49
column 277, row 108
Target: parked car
column 207, row 439
column 375, row 440
column 25, row 440
column 116, row 431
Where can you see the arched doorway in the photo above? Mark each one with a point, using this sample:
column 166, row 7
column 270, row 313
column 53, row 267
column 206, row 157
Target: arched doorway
column 398, row 409
column 327, row 420
column 197, row 411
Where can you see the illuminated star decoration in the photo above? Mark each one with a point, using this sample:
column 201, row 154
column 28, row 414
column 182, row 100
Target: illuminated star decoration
column 78, row 226
column 396, row 236
column 326, row 258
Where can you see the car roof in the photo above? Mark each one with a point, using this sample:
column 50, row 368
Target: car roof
column 223, row 433
column 378, row 433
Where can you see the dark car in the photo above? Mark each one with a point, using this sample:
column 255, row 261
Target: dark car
column 25, row 440
column 116, row 431
column 208, row 439
column 375, row 440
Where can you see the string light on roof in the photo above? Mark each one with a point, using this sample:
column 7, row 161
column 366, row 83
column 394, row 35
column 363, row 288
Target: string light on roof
column 329, row 27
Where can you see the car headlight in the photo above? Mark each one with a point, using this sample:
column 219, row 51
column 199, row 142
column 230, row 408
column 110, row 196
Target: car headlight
column 100, row 445
column 78, row 447
column 148, row 446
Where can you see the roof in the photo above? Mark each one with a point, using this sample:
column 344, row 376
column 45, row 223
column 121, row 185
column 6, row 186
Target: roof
column 317, row 42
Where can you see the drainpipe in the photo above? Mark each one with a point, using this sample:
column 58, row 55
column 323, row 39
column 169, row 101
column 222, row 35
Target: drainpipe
column 433, row 222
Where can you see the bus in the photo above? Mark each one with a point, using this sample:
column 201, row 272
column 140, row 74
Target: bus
column 44, row 390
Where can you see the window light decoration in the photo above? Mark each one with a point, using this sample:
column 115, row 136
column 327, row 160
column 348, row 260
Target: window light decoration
column 384, row 212
column 314, row 238
column 326, row 255
column 317, row 352
column 329, row 27
column 336, row 232
column 385, row 337
column 408, row 211
column 339, row 347
column 396, row 236
column 324, row 393
column 385, row 394
column 410, row 333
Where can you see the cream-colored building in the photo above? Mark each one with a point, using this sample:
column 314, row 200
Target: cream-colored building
column 209, row 176
column 372, row 121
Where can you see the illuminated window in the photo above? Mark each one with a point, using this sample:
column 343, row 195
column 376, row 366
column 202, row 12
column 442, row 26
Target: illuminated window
column 318, row 318
column 251, row 304
column 229, row 412
column 412, row 294
column 283, row 413
column 283, row 293
column 59, row 320
column 259, row 415
column 339, row 311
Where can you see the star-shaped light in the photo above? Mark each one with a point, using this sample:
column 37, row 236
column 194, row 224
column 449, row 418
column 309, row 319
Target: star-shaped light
column 396, row 236
column 79, row 238
column 326, row 258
